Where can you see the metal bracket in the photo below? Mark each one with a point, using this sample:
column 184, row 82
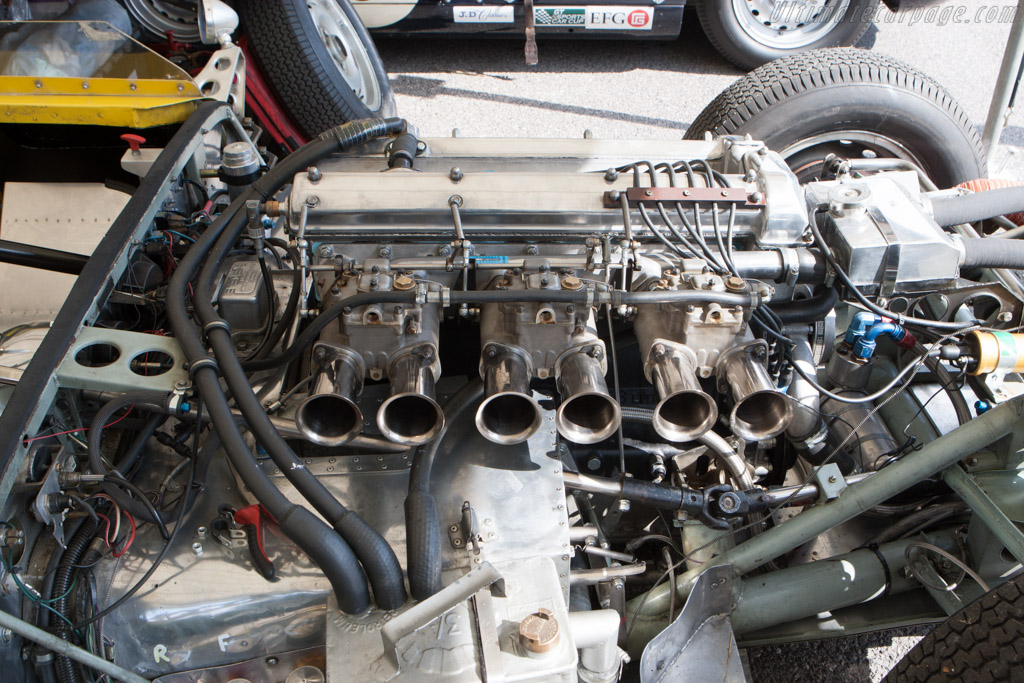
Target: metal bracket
column 1001, row 526
column 422, row 613
column 123, row 374
column 223, row 78
column 50, row 486
column 682, row 195
column 830, row 481
column 466, row 533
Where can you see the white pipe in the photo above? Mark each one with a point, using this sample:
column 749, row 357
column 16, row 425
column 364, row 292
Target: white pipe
column 596, row 635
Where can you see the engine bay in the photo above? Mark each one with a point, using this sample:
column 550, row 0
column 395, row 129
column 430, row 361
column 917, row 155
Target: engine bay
column 393, row 408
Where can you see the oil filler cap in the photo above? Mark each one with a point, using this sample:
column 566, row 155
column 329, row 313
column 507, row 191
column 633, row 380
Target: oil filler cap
column 538, row 632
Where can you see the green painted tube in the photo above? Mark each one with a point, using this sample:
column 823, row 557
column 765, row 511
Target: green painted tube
column 930, row 460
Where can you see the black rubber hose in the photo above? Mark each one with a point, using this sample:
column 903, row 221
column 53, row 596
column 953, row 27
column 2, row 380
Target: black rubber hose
column 67, row 670
column 139, row 442
column 314, row 537
column 989, row 253
column 979, row 206
column 312, row 331
column 326, row 548
column 807, row 310
column 422, row 530
column 378, row 559
column 144, row 400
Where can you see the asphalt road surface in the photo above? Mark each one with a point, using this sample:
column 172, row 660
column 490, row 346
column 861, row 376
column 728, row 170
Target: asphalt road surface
column 623, row 90
column 627, row 89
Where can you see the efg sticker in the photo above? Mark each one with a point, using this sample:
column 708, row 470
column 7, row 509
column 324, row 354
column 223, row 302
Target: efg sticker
column 483, row 14
column 560, row 16
column 619, row 18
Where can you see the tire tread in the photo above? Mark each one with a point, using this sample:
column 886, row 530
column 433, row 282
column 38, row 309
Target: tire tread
column 982, row 642
column 302, row 86
column 739, row 58
column 832, row 67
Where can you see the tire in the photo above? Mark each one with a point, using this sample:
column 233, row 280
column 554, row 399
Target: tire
column 288, row 40
column 851, row 103
column 983, row 642
column 748, row 34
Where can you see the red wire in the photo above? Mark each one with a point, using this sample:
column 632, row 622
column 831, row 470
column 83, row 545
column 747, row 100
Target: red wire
column 106, row 533
column 82, row 429
column 131, row 536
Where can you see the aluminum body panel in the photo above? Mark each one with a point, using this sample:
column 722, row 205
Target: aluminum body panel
column 516, row 492
column 454, row 645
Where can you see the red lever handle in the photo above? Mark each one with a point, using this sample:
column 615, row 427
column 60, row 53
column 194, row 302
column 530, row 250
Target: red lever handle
column 134, row 141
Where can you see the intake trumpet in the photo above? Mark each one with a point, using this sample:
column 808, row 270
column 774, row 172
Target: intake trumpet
column 685, row 411
column 760, row 411
column 509, row 414
column 331, row 416
column 588, row 413
column 411, row 415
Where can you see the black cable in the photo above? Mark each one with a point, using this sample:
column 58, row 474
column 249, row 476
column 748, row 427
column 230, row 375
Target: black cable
column 143, row 498
column 268, row 328
column 204, row 198
column 156, row 562
column 615, row 381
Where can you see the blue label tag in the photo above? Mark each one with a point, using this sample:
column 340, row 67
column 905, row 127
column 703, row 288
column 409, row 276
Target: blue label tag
column 490, row 259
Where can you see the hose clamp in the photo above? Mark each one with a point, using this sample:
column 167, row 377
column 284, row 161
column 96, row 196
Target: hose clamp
column 219, row 323
column 200, row 363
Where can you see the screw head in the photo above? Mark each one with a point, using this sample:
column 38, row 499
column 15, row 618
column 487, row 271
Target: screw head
column 313, row 174
column 455, row 174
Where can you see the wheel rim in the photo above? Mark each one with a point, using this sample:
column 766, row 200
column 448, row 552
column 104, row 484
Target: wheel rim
column 347, row 51
column 789, row 24
column 161, row 16
column 806, row 156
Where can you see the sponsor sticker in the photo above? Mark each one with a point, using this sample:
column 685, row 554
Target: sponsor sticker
column 483, row 14
column 560, row 16
column 620, row 18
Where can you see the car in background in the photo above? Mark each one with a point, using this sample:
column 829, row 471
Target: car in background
column 748, row 33
column 321, row 64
